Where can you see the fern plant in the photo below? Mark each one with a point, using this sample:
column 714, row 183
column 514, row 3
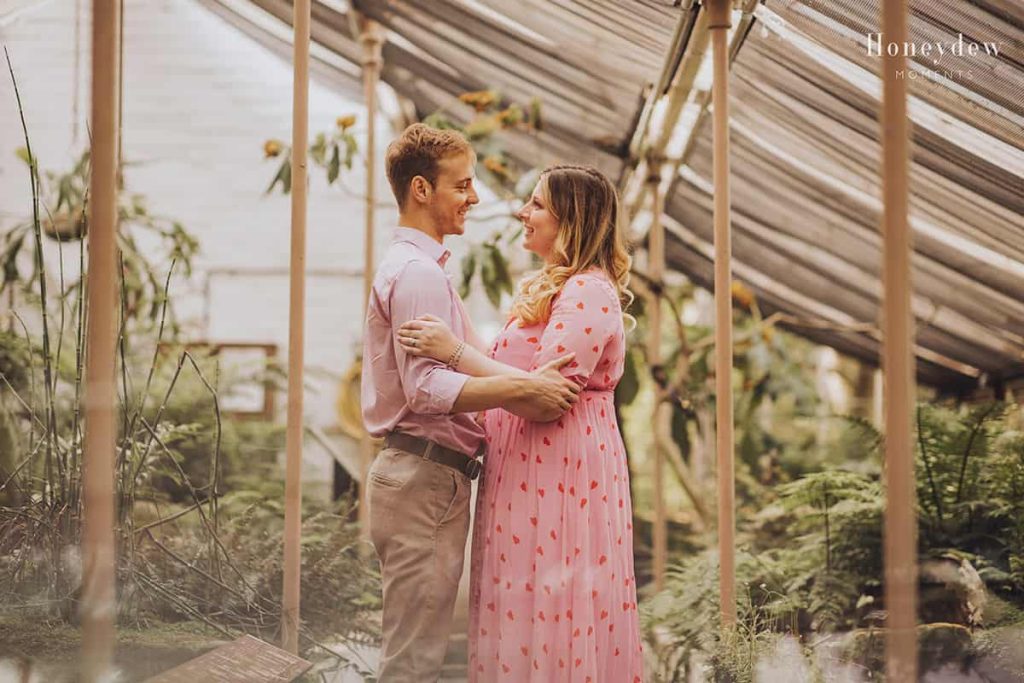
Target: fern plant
column 684, row 619
column 813, row 563
column 971, row 489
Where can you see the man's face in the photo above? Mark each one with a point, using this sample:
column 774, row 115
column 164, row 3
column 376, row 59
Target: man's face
column 453, row 194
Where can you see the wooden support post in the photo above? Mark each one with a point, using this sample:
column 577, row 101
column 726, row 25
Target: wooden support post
column 371, row 36
column 656, row 271
column 99, row 600
column 719, row 22
column 897, row 358
column 296, row 334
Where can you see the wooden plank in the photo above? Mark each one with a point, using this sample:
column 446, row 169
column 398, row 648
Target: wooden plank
column 423, row 79
column 632, row 26
column 823, row 141
column 947, row 145
column 776, row 196
column 577, row 111
column 245, row 660
column 856, row 200
column 569, row 64
column 932, row 21
column 688, row 253
column 809, row 277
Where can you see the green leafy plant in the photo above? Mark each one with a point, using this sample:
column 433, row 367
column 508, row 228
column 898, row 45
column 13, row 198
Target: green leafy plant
column 814, row 548
column 179, row 555
column 970, row 488
column 335, row 150
column 685, row 619
column 330, row 150
column 63, row 198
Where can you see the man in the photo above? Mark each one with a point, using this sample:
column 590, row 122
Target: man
column 419, row 484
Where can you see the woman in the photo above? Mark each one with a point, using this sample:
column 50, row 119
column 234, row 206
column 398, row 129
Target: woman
column 553, row 593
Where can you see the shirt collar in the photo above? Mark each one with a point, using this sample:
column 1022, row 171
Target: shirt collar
column 424, row 242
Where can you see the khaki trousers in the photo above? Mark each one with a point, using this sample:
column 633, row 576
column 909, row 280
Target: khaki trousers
column 419, row 520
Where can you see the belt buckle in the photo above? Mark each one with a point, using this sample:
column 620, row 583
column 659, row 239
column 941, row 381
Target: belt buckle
column 473, row 468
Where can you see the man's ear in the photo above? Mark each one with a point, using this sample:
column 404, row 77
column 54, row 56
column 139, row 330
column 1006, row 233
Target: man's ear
column 420, row 189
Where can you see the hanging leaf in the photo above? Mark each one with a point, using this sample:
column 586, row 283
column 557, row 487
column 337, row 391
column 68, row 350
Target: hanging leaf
column 511, row 116
column 629, row 385
column 284, row 176
column 468, row 269
column 680, row 433
column 63, row 194
column 489, row 280
column 501, row 274
column 334, row 166
column 23, row 154
column 318, row 150
column 535, row 120
column 287, row 179
column 351, row 146
column 11, row 273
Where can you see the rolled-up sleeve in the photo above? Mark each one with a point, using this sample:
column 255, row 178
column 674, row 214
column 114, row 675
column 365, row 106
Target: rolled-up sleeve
column 430, row 387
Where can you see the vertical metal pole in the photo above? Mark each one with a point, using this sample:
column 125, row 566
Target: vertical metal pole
column 719, row 22
column 372, row 38
column 98, row 550
column 656, row 271
column 296, row 334
column 897, row 358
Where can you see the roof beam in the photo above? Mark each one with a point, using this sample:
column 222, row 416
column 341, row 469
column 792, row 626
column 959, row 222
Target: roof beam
column 666, row 136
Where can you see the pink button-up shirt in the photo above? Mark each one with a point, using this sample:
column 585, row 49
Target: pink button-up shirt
column 408, row 393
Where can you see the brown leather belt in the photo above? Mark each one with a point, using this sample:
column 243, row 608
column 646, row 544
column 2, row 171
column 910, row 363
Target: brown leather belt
column 430, row 450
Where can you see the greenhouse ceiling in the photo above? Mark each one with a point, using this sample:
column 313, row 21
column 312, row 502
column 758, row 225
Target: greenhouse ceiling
column 619, row 80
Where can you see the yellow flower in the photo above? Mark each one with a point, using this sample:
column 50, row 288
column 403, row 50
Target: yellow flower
column 347, row 121
column 495, row 165
column 742, row 295
column 479, row 99
column 768, row 334
column 271, row 148
column 511, row 116
column 482, row 126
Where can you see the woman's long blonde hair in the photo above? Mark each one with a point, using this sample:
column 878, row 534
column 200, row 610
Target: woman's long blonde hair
column 586, row 206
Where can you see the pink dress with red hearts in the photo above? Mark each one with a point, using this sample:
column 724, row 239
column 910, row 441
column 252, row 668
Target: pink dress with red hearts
column 553, row 594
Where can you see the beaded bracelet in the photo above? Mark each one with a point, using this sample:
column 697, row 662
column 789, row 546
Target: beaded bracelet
column 453, row 360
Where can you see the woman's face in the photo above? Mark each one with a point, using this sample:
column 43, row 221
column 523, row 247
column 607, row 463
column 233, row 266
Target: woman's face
column 540, row 227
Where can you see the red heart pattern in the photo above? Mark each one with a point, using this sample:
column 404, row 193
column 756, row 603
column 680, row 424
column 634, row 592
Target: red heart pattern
column 587, row 547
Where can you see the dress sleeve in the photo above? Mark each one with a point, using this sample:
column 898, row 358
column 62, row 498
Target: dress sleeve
column 584, row 318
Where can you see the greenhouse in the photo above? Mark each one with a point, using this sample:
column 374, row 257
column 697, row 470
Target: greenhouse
column 464, row 340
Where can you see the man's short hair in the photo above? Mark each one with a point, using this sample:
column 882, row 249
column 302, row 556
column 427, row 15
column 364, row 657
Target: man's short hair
column 417, row 151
